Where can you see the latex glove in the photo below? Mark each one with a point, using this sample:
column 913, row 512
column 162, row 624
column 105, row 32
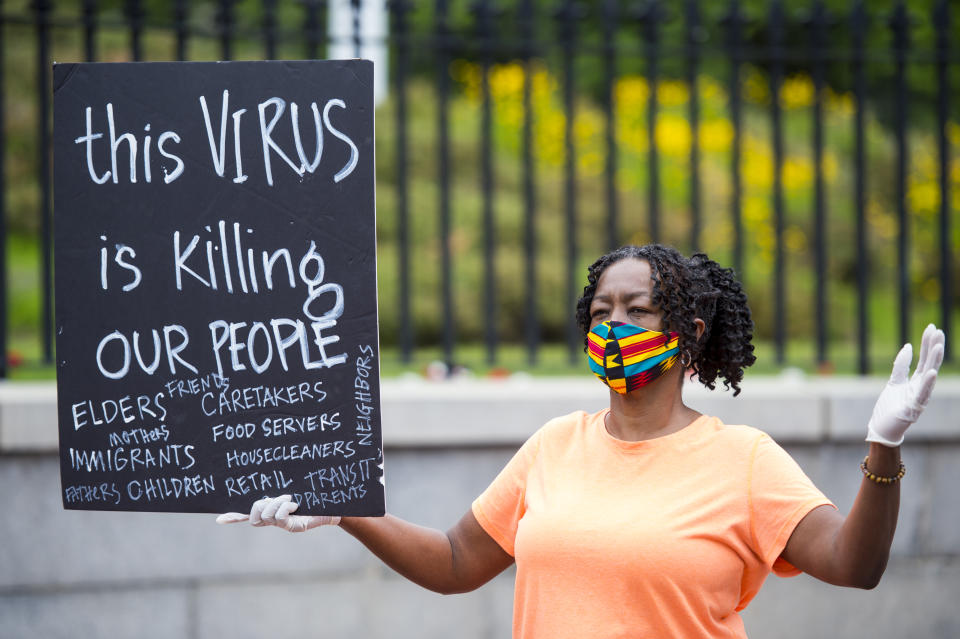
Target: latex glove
column 902, row 400
column 276, row 511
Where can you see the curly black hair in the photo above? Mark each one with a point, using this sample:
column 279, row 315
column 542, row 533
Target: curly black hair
column 687, row 289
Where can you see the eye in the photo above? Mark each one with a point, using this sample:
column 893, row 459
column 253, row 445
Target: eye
column 597, row 312
column 637, row 310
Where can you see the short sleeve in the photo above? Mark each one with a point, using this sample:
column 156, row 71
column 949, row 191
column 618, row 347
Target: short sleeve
column 780, row 496
column 499, row 508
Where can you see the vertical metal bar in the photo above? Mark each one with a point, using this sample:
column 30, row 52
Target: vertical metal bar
column 311, row 26
column 270, row 29
column 442, row 35
column 693, row 65
column 42, row 9
column 483, row 14
column 180, row 25
column 357, row 44
column 651, row 33
column 819, row 42
column 527, row 19
column 610, row 19
column 859, row 25
column 224, row 20
column 733, row 22
column 942, row 23
column 399, row 8
column 90, row 30
column 776, row 80
column 899, row 23
column 567, row 17
column 135, row 21
column 3, row 206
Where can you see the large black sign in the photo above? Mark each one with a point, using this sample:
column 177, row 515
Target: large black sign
column 216, row 316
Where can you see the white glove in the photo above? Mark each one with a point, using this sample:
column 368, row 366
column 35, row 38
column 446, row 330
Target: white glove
column 902, row 401
column 275, row 511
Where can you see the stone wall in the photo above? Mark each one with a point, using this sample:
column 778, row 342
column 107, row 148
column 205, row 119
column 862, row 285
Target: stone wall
column 95, row 574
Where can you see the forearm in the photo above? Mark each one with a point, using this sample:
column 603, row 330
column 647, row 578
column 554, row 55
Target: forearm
column 422, row 555
column 863, row 542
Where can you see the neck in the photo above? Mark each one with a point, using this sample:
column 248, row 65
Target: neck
column 651, row 411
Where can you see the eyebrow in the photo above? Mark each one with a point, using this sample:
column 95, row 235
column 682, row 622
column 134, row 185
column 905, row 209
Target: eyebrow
column 628, row 296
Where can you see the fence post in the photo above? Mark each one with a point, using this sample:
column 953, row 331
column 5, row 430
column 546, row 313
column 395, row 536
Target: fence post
column 733, row 21
column 567, row 16
column 42, row 9
column 399, row 9
column 181, row 28
column 3, row 206
column 90, row 29
column 529, row 193
column 224, row 22
column 900, row 25
column 483, row 15
column 442, row 37
column 135, row 19
column 859, row 25
column 941, row 20
column 650, row 16
column 818, row 23
column 693, row 36
column 610, row 19
column 776, row 81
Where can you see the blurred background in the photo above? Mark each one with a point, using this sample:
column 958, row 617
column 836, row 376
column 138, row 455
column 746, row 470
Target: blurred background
column 812, row 146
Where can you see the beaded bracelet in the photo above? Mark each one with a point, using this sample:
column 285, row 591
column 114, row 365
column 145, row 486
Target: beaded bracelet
column 882, row 480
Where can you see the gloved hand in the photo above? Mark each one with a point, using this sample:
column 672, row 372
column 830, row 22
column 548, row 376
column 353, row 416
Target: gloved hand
column 275, row 511
column 902, row 400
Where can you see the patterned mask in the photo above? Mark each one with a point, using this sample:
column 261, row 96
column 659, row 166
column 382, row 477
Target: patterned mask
column 626, row 357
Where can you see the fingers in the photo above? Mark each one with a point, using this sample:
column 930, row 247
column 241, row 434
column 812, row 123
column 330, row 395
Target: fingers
column 232, row 518
column 928, row 333
column 901, row 365
column 269, row 514
column 927, row 382
column 285, row 509
column 256, row 512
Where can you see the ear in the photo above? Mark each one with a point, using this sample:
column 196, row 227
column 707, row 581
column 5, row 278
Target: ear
column 701, row 327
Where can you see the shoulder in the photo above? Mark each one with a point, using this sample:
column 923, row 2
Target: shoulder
column 737, row 437
column 570, row 424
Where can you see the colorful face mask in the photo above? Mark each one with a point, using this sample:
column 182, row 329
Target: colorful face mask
column 626, row 357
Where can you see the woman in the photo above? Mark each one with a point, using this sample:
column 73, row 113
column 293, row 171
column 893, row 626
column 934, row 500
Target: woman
column 648, row 518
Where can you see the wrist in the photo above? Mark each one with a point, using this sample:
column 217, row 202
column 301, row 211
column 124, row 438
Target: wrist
column 883, row 460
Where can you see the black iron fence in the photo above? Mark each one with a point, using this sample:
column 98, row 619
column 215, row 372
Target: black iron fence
column 809, row 145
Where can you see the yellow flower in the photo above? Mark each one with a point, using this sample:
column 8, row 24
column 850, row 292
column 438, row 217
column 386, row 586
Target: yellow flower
column 672, row 93
column 673, row 135
column 923, row 197
column 757, row 164
column 797, row 173
column 953, row 133
column 796, row 92
column 631, row 93
column 795, row 239
column 840, row 103
column 716, row 135
column 506, row 81
column 756, row 88
column 830, row 166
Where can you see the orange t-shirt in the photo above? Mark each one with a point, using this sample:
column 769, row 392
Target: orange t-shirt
column 667, row 537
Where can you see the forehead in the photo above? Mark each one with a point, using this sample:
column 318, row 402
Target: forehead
column 630, row 275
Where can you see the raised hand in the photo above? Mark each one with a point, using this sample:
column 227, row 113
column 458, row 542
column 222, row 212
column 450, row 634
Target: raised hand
column 903, row 399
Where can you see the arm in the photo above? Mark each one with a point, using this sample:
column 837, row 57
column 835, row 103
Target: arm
column 853, row 550
column 462, row 559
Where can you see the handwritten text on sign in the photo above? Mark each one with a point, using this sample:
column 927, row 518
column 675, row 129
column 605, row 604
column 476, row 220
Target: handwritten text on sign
column 216, row 328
